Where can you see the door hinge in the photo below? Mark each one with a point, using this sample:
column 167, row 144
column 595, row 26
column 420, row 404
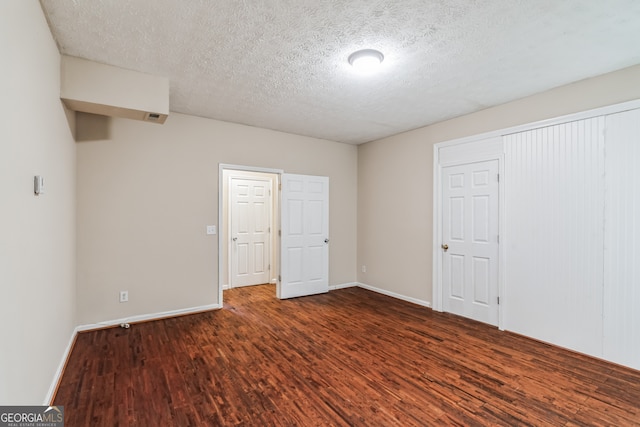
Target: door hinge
column 498, row 300
column 498, row 238
column 498, row 177
column 279, row 278
column 269, row 268
column 280, row 186
column 279, row 232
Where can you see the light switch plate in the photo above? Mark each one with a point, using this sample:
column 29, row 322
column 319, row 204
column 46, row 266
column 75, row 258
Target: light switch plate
column 38, row 185
column 211, row 229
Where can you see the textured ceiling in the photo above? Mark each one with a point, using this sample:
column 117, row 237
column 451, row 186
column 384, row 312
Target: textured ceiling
column 282, row 64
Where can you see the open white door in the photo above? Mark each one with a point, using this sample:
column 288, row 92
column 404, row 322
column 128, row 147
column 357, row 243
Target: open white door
column 304, row 244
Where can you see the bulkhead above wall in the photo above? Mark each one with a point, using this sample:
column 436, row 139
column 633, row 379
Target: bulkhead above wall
column 91, row 87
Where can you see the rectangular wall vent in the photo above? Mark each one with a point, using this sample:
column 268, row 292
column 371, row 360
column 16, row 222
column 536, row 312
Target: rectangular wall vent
column 155, row 117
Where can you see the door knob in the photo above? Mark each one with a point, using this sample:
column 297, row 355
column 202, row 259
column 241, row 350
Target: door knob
column 445, row 247
column 234, row 239
column 326, row 240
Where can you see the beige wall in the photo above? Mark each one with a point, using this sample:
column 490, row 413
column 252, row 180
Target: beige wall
column 37, row 233
column 395, row 176
column 146, row 193
column 112, row 91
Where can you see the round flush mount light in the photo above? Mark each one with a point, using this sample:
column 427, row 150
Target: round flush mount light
column 366, row 60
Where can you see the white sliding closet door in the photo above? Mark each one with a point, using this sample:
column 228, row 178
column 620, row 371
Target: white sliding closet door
column 622, row 240
column 555, row 236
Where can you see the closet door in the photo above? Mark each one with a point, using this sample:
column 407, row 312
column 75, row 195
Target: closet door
column 622, row 240
column 554, row 201
column 470, row 224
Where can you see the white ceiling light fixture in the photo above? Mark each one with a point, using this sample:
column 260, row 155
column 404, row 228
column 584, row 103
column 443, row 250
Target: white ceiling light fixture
column 366, row 61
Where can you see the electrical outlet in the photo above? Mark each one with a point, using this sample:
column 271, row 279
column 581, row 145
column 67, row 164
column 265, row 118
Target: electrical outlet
column 364, row 268
column 124, row 296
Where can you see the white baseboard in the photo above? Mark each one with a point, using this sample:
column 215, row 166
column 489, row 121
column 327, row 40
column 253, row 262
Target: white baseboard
column 395, row 295
column 342, row 286
column 145, row 317
column 225, row 287
column 48, row 400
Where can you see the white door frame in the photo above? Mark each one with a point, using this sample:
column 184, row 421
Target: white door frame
column 437, row 296
column 221, row 168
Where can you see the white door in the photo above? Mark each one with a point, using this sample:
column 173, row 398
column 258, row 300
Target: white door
column 304, row 244
column 250, row 219
column 470, row 240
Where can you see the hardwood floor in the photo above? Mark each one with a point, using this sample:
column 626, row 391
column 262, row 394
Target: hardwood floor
column 349, row 357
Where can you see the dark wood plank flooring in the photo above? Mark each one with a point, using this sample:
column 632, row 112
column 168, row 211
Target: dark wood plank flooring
column 347, row 358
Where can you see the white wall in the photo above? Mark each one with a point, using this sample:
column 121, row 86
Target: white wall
column 146, row 193
column 37, row 233
column 395, row 179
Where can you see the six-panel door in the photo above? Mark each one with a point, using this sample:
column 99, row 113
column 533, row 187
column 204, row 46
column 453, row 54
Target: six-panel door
column 250, row 231
column 305, row 236
column 470, row 240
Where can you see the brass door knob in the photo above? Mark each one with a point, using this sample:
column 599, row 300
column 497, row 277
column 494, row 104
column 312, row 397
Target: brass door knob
column 445, row 247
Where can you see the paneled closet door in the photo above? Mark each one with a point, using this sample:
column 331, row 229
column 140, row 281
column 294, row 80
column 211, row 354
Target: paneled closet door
column 470, row 222
column 622, row 240
column 554, row 196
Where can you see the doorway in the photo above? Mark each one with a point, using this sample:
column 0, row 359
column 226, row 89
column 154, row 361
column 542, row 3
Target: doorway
column 298, row 231
column 249, row 222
